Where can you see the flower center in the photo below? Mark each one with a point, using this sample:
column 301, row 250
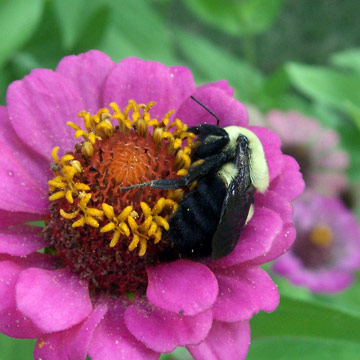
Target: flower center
column 315, row 248
column 321, row 236
column 105, row 234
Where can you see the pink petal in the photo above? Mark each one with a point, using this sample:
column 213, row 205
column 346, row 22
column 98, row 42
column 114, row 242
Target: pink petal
column 53, row 299
column 162, row 330
column 21, row 240
column 12, row 322
column 8, row 218
column 18, row 191
column 226, row 341
column 335, row 160
column 243, row 292
column 326, row 140
column 256, row 238
column 276, row 202
column 171, row 287
column 335, row 182
column 36, row 259
column 271, row 144
column 228, row 110
column 221, row 84
column 319, row 280
column 88, row 72
column 39, row 107
column 289, row 183
column 37, row 166
column 293, row 127
column 71, row 344
column 145, row 81
column 280, row 246
column 112, row 340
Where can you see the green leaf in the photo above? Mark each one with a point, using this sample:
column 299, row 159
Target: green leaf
column 91, row 35
column 349, row 135
column 349, row 59
column 45, row 47
column 216, row 63
column 5, row 79
column 354, row 112
column 325, row 85
column 137, row 30
column 297, row 348
column 74, row 16
column 237, row 16
column 306, row 319
column 22, row 17
column 15, row 349
column 179, row 353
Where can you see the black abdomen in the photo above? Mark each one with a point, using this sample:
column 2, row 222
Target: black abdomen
column 196, row 219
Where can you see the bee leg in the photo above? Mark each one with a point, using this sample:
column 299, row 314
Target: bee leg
column 212, row 139
column 195, row 173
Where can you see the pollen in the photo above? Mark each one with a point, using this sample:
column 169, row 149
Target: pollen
column 117, row 149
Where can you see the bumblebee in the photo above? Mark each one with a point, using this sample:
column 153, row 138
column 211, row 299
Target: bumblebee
column 210, row 218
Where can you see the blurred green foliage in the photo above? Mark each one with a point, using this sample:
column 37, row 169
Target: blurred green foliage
column 284, row 54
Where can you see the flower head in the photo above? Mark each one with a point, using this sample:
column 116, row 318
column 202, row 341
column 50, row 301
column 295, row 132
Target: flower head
column 102, row 286
column 315, row 148
column 327, row 248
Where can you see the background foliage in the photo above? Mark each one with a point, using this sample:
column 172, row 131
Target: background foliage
column 283, row 54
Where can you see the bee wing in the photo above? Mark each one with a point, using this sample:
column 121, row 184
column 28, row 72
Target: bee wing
column 235, row 208
column 232, row 220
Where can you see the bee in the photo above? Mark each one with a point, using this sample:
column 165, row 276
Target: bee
column 210, row 218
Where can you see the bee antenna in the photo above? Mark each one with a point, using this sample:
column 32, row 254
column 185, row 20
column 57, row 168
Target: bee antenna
column 208, row 110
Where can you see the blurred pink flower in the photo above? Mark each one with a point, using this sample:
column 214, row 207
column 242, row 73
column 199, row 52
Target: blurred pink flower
column 205, row 306
column 326, row 252
column 316, row 148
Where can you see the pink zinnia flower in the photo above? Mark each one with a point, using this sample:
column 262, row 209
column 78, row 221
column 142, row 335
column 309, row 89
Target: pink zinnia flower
column 91, row 292
column 326, row 252
column 315, row 148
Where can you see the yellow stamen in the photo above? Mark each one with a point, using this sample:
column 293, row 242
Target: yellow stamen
column 69, row 197
column 56, row 196
column 159, row 206
column 182, row 172
column 69, row 216
column 115, row 238
column 54, row 154
column 108, row 227
column 108, row 210
column 134, row 242
column 78, row 223
column 125, row 214
column 142, row 250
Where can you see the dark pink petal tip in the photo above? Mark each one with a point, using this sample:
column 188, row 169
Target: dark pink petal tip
column 112, row 340
column 71, row 344
column 21, row 240
column 39, row 107
column 228, row 110
column 171, row 287
column 163, row 331
column 53, row 299
column 256, row 239
column 12, row 322
column 243, row 292
column 88, row 72
column 226, row 341
column 145, row 81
